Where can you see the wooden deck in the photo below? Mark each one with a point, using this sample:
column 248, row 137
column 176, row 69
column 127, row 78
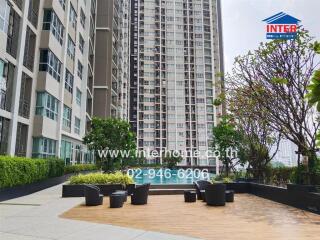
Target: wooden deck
column 249, row 217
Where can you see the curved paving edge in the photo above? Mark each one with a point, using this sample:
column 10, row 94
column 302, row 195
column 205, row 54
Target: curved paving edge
column 36, row 216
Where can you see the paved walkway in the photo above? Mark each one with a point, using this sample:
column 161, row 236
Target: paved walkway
column 248, row 217
column 36, row 217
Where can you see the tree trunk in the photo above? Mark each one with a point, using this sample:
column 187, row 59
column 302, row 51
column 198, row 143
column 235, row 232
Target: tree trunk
column 227, row 168
column 312, row 163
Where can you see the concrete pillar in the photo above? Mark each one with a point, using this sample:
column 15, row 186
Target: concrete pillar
column 17, row 81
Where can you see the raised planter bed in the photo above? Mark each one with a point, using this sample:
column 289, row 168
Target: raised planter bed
column 274, row 193
column 77, row 190
column 301, row 188
column 238, row 187
column 23, row 190
column 20, row 191
column 294, row 197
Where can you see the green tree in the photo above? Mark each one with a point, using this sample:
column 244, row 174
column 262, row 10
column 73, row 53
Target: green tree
column 259, row 142
column 226, row 138
column 314, row 92
column 276, row 77
column 114, row 135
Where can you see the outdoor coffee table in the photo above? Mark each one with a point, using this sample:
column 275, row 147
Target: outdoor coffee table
column 116, row 200
column 229, row 195
column 122, row 192
column 190, row 196
column 203, row 195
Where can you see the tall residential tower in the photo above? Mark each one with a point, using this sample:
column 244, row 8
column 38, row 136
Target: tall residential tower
column 175, row 55
column 46, row 63
column 112, row 59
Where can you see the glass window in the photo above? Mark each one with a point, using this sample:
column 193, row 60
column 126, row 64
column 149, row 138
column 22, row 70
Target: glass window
column 78, row 97
column 67, row 116
column 52, row 22
column 80, row 70
column 4, row 15
column 47, row 105
column 63, row 4
column 82, row 19
column 2, row 68
column 50, row 63
column 66, row 151
column 81, row 43
column 4, row 135
column 68, row 82
column 71, row 48
column 73, row 17
column 43, row 147
column 77, row 125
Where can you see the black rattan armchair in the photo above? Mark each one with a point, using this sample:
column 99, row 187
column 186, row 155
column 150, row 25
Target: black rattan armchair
column 140, row 194
column 201, row 185
column 92, row 195
column 216, row 194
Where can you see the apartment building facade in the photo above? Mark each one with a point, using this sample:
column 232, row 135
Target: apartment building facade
column 47, row 65
column 175, row 55
column 112, row 59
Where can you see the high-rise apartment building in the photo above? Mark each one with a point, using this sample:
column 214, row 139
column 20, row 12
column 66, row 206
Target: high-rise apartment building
column 112, row 59
column 175, row 55
column 47, row 67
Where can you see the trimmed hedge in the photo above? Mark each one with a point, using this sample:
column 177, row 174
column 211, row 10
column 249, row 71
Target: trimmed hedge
column 79, row 168
column 19, row 170
column 101, row 178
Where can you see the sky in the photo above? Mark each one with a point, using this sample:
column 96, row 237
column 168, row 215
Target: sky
column 243, row 28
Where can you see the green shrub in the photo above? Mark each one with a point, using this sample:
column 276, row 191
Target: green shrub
column 221, row 179
column 278, row 175
column 227, row 180
column 284, row 175
column 217, row 178
column 297, row 175
column 19, row 171
column 56, row 167
column 101, row 178
column 79, row 168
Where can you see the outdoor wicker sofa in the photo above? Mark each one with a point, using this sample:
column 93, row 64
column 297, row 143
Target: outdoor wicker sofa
column 92, row 195
column 140, row 194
